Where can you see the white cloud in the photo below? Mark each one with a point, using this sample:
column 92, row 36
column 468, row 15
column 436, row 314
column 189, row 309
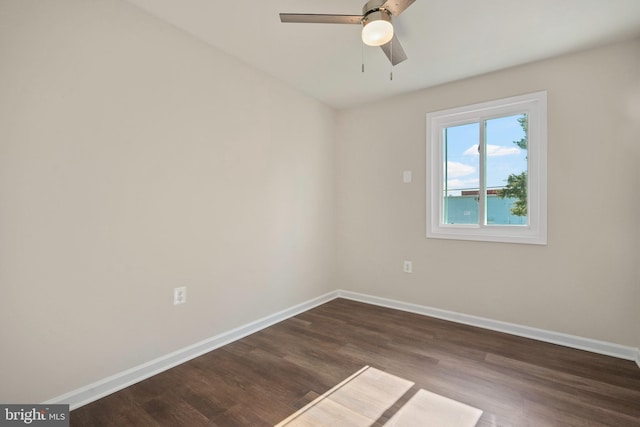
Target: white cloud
column 471, row 151
column 492, row 150
column 458, row 184
column 455, row 169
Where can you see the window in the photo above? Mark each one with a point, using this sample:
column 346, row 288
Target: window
column 487, row 171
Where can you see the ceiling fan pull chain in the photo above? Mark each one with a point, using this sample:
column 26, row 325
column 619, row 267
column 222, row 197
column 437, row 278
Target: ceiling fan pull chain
column 362, row 45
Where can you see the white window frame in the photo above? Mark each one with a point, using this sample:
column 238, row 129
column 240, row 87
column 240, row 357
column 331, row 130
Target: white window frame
column 535, row 106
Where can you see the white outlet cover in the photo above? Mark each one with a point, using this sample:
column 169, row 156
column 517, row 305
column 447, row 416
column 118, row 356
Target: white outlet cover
column 408, row 267
column 406, row 177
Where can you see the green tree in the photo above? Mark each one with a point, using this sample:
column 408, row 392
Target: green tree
column 516, row 187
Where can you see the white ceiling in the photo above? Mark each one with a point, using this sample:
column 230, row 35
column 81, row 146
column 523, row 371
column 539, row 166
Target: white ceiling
column 445, row 40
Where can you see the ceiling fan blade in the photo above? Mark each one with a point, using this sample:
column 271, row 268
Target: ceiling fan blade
column 306, row 18
column 396, row 7
column 398, row 52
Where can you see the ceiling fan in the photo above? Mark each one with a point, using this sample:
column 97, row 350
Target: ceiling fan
column 377, row 29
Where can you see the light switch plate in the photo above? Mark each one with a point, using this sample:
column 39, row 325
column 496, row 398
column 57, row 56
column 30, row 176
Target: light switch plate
column 180, row 295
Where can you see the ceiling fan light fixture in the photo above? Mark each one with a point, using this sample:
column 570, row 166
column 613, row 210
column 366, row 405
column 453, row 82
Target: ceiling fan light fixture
column 377, row 29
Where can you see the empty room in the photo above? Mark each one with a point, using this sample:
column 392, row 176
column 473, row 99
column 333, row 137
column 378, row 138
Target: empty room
column 337, row 212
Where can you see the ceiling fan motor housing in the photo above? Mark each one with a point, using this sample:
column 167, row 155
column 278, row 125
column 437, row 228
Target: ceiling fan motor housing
column 373, row 6
column 376, row 15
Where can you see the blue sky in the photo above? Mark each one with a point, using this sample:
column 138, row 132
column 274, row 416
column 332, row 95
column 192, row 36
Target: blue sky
column 503, row 156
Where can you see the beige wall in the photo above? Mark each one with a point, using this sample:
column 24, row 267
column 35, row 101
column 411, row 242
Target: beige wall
column 633, row 113
column 134, row 159
column 584, row 282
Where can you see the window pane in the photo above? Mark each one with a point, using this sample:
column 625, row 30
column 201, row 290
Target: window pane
column 512, row 162
column 461, row 174
column 506, row 145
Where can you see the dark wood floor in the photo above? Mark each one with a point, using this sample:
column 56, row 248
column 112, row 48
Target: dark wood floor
column 263, row 378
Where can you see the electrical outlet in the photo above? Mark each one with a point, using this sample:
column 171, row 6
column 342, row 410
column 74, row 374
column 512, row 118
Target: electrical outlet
column 408, row 267
column 180, row 295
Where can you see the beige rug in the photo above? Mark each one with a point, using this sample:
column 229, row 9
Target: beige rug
column 362, row 398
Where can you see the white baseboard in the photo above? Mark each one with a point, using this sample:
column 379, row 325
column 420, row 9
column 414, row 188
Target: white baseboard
column 121, row 380
column 594, row 346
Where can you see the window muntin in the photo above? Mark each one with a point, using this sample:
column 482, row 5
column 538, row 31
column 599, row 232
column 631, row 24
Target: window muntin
column 488, row 171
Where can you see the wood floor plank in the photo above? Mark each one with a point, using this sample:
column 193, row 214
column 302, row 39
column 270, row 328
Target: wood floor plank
column 265, row 377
